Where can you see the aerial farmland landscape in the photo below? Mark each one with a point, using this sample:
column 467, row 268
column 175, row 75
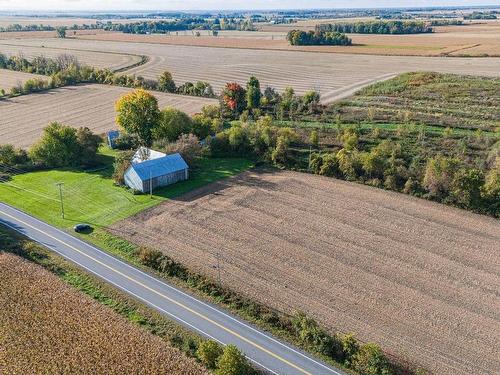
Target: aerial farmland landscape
column 249, row 188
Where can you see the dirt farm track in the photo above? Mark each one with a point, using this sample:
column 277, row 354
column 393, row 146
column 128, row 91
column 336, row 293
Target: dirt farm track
column 417, row 277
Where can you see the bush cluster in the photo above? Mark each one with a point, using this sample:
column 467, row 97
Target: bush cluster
column 442, row 178
column 317, row 38
column 59, row 146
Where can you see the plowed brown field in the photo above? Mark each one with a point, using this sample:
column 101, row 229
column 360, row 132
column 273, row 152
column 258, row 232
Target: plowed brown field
column 49, row 328
column 450, row 40
column 23, row 118
column 99, row 59
column 329, row 73
column 420, row 278
column 9, row 78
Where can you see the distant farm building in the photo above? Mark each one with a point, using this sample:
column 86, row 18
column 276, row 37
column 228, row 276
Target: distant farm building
column 152, row 169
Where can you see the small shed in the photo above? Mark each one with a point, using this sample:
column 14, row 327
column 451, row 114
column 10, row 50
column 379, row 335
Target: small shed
column 112, row 135
column 156, row 170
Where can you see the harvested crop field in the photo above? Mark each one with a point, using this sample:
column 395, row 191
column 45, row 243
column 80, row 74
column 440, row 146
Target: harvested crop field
column 23, row 118
column 326, row 72
column 61, row 21
column 9, row 78
column 98, row 59
column 417, row 277
column 48, row 327
column 470, row 40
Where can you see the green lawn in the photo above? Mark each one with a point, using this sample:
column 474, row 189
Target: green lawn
column 91, row 196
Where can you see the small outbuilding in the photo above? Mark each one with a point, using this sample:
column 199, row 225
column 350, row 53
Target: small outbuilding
column 112, row 136
column 151, row 169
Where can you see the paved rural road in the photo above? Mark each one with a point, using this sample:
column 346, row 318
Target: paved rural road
column 269, row 353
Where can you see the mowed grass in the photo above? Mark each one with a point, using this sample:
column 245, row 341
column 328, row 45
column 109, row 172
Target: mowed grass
column 92, row 197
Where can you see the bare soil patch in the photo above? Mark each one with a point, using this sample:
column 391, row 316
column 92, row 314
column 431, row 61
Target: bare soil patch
column 48, row 327
column 419, row 278
column 445, row 41
column 23, row 118
column 9, row 78
column 98, row 59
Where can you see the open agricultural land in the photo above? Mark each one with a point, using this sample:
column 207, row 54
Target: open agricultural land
column 49, row 327
column 324, row 72
column 417, row 277
column 99, row 59
column 475, row 39
column 6, row 20
column 24, row 117
column 9, row 78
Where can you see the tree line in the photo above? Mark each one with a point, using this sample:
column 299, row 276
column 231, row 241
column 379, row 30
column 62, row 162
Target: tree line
column 480, row 16
column 377, row 27
column 66, row 70
column 317, row 38
column 182, row 24
column 18, row 27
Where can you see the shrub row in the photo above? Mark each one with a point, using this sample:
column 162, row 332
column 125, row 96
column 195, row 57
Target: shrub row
column 344, row 349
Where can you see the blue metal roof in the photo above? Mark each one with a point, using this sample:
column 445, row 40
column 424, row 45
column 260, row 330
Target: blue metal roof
column 160, row 166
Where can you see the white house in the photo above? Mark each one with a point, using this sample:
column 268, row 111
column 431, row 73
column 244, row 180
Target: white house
column 151, row 169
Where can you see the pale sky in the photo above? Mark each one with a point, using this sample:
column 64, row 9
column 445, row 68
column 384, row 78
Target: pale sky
column 87, row 5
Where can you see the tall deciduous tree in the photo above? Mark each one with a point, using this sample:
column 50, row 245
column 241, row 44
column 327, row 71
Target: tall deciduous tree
column 172, row 124
column 58, row 147
column 234, row 98
column 138, row 113
column 253, row 93
column 61, row 32
column 166, row 82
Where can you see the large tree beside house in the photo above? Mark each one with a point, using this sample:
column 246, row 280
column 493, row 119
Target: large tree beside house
column 137, row 113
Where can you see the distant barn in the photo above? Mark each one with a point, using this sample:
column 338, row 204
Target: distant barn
column 152, row 169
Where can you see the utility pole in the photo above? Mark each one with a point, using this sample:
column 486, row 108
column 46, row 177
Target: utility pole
column 60, row 184
column 217, row 255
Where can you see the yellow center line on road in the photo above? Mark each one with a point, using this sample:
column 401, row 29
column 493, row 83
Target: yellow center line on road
column 167, row 298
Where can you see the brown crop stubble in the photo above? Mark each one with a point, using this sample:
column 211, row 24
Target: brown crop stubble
column 9, row 78
column 417, row 277
column 325, row 72
column 24, row 117
column 47, row 328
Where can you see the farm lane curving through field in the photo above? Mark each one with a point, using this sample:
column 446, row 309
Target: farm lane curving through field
column 210, row 321
column 324, row 72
